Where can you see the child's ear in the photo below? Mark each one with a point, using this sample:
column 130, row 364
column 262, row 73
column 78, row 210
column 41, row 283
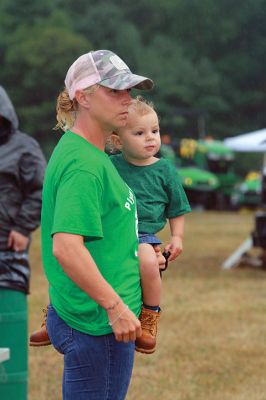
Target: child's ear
column 115, row 139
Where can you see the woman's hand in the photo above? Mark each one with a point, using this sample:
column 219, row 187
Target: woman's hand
column 125, row 324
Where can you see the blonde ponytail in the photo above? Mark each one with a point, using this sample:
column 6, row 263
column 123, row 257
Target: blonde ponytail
column 66, row 111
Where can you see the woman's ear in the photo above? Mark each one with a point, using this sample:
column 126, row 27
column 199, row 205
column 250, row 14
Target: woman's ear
column 116, row 141
column 83, row 98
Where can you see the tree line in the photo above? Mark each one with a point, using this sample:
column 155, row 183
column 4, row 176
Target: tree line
column 207, row 58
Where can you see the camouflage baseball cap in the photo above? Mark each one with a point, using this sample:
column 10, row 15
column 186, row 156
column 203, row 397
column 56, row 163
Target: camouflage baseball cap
column 105, row 68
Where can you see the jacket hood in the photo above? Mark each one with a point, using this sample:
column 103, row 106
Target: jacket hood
column 7, row 109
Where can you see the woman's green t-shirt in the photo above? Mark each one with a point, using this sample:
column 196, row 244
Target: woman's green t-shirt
column 83, row 194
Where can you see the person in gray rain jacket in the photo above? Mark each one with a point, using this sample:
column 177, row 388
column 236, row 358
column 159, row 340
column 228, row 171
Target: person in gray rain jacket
column 22, row 166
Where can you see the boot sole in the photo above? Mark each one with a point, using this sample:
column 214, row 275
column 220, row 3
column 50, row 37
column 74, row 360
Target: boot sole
column 145, row 351
column 39, row 344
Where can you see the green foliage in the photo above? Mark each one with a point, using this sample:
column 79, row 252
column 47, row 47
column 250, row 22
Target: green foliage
column 37, row 59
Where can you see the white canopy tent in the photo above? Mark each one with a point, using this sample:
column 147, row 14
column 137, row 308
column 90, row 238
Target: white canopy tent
column 248, row 142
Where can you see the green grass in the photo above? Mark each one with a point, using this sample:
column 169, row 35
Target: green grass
column 212, row 334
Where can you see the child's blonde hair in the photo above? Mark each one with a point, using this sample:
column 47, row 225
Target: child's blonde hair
column 66, row 109
column 138, row 106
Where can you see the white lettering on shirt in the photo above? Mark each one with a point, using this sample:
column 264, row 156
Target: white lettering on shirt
column 127, row 205
column 137, row 224
column 130, row 200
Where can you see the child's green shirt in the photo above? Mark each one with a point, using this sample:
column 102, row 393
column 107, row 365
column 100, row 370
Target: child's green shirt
column 158, row 189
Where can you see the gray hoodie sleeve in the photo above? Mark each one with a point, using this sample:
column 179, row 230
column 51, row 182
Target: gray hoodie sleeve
column 31, row 168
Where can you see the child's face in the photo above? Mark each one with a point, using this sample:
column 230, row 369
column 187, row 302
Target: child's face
column 140, row 138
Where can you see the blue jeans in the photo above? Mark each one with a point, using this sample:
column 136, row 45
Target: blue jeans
column 149, row 238
column 95, row 367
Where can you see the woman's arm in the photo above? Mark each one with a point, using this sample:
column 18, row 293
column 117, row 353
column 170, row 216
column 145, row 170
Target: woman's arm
column 78, row 264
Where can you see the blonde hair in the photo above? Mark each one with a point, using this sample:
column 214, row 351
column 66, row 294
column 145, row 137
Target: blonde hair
column 138, row 106
column 66, row 109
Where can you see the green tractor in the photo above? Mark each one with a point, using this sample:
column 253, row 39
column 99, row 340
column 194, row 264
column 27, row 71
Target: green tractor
column 200, row 186
column 214, row 157
column 248, row 192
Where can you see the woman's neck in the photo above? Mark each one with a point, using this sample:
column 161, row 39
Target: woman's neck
column 90, row 132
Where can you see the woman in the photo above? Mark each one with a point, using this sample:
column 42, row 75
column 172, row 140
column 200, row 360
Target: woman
column 89, row 233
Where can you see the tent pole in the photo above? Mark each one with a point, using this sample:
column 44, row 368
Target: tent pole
column 263, row 183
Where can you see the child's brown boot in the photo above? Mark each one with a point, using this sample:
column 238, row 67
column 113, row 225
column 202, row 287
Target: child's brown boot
column 149, row 321
column 40, row 337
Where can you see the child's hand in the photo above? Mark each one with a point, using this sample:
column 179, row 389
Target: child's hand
column 175, row 247
column 160, row 257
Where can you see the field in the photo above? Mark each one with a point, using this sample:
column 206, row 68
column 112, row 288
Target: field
column 212, row 334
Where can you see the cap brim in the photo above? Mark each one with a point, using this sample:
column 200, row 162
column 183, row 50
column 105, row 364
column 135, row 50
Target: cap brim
column 127, row 81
